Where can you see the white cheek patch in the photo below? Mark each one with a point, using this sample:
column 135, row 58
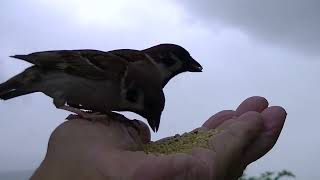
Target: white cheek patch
column 139, row 104
column 178, row 63
column 164, row 71
column 167, row 71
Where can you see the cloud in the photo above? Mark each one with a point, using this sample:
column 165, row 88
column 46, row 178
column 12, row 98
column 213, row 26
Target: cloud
column 289, row 23
column 235, row 68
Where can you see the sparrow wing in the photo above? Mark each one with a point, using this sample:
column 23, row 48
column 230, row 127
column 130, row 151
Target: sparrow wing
column 130, row 55
column 92, row 64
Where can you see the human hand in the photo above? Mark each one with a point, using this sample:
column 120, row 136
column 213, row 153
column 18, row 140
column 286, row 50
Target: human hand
column 79, row 149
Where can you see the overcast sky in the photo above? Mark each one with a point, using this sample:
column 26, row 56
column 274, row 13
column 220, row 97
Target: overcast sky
column 266, row 48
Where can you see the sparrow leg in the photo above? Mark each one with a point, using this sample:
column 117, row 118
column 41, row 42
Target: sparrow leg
column 77, row 111
column 82, row 114
column 94, row 116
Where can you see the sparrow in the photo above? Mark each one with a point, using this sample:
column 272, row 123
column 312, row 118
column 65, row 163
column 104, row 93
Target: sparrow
column 102, row 82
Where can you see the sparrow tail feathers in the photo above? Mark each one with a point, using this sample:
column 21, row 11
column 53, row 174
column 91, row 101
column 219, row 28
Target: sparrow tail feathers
column 12, row 94
column 14, row 87
column 23, row 57
column 8, row 86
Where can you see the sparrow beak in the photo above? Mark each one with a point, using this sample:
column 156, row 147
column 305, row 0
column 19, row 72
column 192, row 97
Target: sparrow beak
column 194, row 66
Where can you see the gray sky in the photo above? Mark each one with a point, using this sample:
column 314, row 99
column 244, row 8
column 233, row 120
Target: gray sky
column 246, row 48
column 289, row 23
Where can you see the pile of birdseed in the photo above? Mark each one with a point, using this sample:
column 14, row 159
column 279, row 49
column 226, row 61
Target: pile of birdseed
column 181, row 143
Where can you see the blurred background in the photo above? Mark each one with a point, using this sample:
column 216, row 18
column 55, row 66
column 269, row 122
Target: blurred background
column 247, row 48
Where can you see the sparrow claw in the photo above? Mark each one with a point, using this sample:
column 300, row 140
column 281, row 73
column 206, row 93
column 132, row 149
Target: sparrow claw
column 73, row 116
column 119, row 117
column 114, row 115
column 94, row 116
column 106, row 118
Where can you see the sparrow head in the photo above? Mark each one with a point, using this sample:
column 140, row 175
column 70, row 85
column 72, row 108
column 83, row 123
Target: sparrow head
column 172, row 59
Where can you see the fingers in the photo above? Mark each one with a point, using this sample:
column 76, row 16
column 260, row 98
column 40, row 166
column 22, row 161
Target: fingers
column 255, row 103
column 219, row 118
column 273, row 119
column 230, row 144
column 224, row 159
column 248, row 133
